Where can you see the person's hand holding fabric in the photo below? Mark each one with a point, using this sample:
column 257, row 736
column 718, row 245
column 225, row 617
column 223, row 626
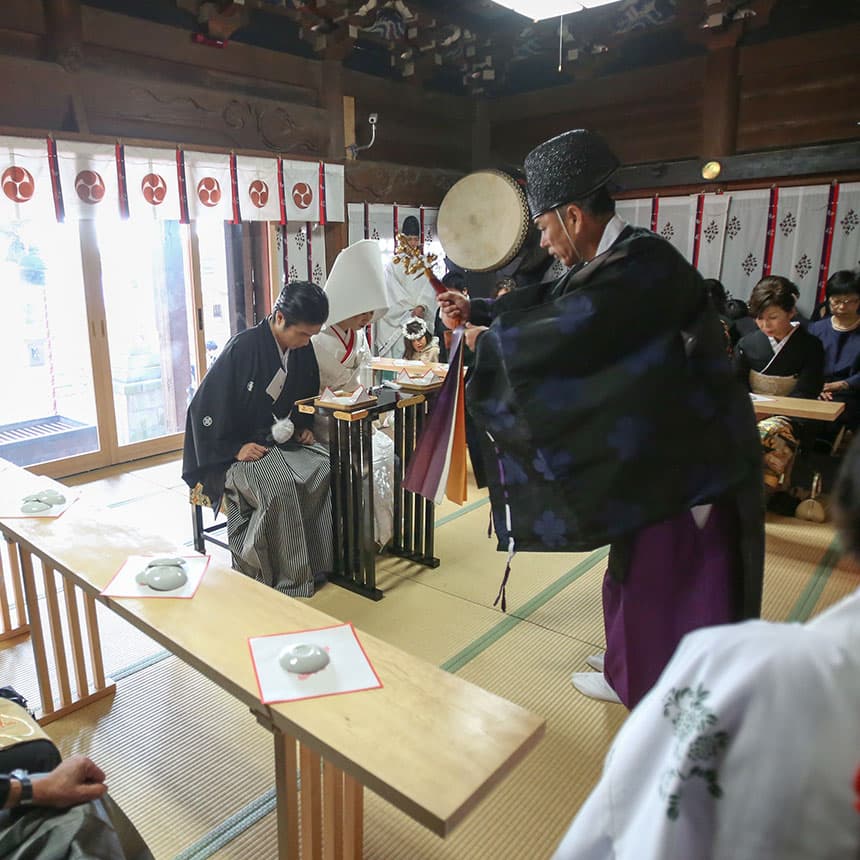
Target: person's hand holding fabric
column 454, row 308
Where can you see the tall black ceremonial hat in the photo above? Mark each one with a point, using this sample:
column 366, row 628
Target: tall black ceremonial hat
column 566, row 168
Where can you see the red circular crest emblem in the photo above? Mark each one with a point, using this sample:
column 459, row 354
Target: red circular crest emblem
column 18, row 184
column 303, row 195
column 154, row 189
column 258, row 191
column 90, row 187
column 209, row 191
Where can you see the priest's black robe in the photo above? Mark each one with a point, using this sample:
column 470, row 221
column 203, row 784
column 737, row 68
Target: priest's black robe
column 610, row 405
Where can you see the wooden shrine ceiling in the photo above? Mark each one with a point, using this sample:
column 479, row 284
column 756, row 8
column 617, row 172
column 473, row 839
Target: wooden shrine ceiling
column 479, row 47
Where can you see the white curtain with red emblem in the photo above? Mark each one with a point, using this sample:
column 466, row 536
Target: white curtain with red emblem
column 845, row 251
column 676, row 223
column 152, row 183
column 746, row 235
column 713, row 234
column 208, row 186
column 296, row 252
column 88, row 179
column 318, row 273
column 257, row 181
column 302, row 190
column 637, row 212
column 801, row 218
column 356, row 222
column 25, row 179
column 335, row 210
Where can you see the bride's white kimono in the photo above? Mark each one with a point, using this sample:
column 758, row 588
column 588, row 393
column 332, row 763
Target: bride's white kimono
column 355, row 286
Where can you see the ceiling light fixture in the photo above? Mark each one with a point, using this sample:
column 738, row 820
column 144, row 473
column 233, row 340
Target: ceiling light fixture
column 539, row 10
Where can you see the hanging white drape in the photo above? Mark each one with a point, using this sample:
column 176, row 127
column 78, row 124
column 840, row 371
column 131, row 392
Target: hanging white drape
column 676, row 220
column 845, row 252
column 637, row 213
column 152, row 183
column 297, row 251
column 301, row 190
column 318, row 273
column 713, row 234
column 801, row 218
column 356, row 222
column 334, row 193
column 88, row 178
column 257, row 184
column 432, row 245
column 25, row 179
column 746, row 234
column 208, row 186
column 381, row 228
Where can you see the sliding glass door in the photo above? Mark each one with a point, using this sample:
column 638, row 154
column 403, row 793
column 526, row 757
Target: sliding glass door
column 48, row 408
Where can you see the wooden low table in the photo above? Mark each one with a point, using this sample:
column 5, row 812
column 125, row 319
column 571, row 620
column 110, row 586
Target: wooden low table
column 798, row 407
column 429, row 742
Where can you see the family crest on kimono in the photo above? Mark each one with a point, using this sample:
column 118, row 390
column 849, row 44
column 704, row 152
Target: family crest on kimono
column 587, row 389
column 407, row 295
column 780, row 359
column 708, row 765
column 356, row 294
column 248, row 444
column 839, row 333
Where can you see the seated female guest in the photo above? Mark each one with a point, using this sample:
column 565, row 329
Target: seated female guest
column 272, row 476
column 840, row 335
column 780, row 359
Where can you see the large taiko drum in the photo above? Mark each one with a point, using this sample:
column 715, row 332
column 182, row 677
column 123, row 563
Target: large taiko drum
column 484, row 224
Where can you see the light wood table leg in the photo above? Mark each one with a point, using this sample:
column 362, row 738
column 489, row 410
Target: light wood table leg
column 71, row 595
column 287, row 810
column 353, row 819
column 311, row 801
column 37, row 634
column 332, row 812
column 15, row 575
column 56, row 629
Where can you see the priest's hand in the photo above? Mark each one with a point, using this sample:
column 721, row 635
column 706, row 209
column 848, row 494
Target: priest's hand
column 251, row 451
column 472, row 333
column 305, row 437
column 454, row 308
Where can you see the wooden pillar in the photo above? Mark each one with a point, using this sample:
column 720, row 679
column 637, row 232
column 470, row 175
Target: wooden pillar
column 331, row 98
column 64, row 27
column 481, row 135
column 720, row 102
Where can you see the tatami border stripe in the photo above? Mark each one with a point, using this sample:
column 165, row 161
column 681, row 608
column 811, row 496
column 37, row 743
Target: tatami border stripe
column 145, row 663
column 804, row 605
column 230, row 828
column 483, row 642
column 463, row 511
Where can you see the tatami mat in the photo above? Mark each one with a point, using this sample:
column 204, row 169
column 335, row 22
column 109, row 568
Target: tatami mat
column 194, row 771
column 180, row 754
column 526, row 815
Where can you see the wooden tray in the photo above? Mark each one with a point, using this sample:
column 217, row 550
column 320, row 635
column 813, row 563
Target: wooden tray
column 346, row 407
column 413, row 386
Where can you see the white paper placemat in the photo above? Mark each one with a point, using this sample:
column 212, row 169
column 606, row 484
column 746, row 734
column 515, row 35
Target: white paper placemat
column 349, row 670
column 124, row 585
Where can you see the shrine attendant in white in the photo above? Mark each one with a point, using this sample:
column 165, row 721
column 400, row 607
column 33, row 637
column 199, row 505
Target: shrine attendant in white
column 356, row 294
column 406, row 296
